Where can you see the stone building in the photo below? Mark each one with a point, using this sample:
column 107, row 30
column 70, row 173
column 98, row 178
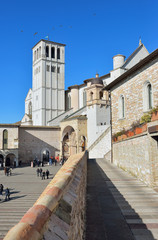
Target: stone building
column 133, row 95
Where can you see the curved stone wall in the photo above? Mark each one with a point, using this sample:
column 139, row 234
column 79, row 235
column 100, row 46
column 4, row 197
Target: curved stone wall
column 59, row 213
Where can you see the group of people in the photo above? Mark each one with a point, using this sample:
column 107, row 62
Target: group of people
column 37, row 162
column 42, row 174
column 7, row 192
column 7, row 171
column 63, row 160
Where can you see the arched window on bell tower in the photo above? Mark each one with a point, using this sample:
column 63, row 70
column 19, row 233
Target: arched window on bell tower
column 58, row 53
column 39, row 52
column 47, row 51
column 52, row 52
column 34, row 55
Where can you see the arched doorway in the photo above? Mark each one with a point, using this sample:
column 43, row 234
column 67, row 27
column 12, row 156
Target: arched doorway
column 45, row 155
column 10, row 160
column 69, row 145
column 1, row 160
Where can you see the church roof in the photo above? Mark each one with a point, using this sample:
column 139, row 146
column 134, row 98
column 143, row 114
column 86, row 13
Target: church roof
column 140, row 64
column 10, row 124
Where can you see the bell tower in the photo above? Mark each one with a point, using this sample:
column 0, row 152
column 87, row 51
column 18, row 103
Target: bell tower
column 98, row 112
column 48, row 81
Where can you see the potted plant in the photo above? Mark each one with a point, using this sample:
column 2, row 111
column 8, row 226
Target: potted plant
column 154, row 114
column 130, row 133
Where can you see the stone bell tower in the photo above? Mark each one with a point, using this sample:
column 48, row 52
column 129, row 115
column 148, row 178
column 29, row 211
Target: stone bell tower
column 48, row 84
column 98, row 113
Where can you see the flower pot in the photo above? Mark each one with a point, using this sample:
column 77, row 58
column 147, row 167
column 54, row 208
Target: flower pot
column 144, row 127
column 138, row 130
column 130, row 134
column 119, row 138
column 124, row 136
column 154, row 116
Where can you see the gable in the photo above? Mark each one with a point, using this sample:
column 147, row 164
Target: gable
column 29, row 95
column 140, row 53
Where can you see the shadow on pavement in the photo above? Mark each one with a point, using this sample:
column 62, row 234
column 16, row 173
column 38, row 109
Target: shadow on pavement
column 104, row 219
column 11, row 198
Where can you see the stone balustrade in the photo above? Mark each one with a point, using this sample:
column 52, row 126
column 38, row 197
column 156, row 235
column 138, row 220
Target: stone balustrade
column 59, row 213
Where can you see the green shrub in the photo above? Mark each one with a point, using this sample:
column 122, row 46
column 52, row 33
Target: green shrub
column 154, row 110
column 145, row 118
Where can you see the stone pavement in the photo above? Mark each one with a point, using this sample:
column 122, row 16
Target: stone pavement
column 119, row 207
column 25, row 188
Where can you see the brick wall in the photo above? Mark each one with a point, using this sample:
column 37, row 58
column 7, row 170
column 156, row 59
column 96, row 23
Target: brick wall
column 59, row 212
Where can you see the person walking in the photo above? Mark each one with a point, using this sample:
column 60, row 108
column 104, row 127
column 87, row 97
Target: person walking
column 7, row 170
column 7, row 194
column 47, row 173
column 43, row 175
column 38, row 172
column 1, row 189
column 10, row 171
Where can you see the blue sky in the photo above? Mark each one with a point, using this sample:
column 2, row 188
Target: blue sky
column 93, row 31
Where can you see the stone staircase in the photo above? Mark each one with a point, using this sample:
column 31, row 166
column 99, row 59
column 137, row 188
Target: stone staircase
column 12, row 211
column 102, row 145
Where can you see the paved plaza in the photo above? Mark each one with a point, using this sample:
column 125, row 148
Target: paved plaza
column 25, row 188
column 119, row 207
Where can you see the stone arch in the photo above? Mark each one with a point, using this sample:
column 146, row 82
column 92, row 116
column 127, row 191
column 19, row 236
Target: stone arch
column 69, row 142
column 100, row 94
column 10, row 160
column 45, row 155
column 91, row 96
column 1, row 160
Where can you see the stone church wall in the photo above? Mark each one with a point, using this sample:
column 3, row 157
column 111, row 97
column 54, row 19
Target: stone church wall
column 34, row 140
